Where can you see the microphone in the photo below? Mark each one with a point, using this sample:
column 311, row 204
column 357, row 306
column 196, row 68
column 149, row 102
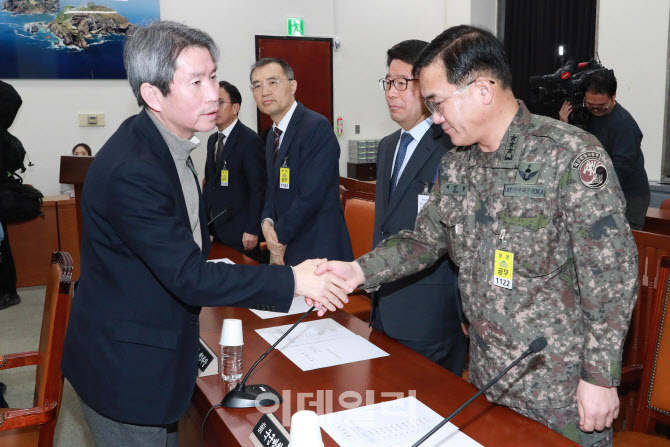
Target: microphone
column 246, row 396
column 536, row 345
column 217, row 216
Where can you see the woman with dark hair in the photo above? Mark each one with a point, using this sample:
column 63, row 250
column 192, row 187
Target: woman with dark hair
column 82, row 150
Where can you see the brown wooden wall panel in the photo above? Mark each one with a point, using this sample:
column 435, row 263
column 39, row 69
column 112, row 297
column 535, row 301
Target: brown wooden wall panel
column 32, row 243
column 311, row 60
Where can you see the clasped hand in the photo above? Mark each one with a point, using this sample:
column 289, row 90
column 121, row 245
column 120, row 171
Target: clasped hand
column 336, row 278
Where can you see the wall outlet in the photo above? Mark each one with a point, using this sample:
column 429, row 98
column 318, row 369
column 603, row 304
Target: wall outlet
column 91, row 119
column 357, row 129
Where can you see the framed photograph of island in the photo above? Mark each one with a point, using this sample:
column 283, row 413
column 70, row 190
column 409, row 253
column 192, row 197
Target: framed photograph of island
column 71, row 39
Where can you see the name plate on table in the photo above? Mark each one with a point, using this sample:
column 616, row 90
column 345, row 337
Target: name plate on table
column 208, row 364
column 269, row 432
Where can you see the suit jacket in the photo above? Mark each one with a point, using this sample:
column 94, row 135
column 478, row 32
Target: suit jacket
column 308, row 216
column 424, row 306
column 132, row 340
column 244, row 197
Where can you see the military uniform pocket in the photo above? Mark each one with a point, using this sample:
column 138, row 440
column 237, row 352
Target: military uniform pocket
column 539, row 247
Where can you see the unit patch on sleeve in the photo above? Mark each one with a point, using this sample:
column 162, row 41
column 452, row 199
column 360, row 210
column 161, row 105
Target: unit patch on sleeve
column 590, row 170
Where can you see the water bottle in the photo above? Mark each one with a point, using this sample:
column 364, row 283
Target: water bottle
column 231, row 350
column 231, row 363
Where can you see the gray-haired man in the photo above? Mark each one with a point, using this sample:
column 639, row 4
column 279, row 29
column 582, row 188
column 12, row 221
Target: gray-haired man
column 132, row 341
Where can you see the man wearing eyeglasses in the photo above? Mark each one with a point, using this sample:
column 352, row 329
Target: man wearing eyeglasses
column 421, row 311
column 235, row 177
column 621, row 137
column 302, row 217
column 528, row 210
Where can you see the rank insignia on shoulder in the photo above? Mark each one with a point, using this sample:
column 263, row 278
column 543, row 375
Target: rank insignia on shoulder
column 528, row 173
column 590, row 170
column 510, row 147
column 455, row 189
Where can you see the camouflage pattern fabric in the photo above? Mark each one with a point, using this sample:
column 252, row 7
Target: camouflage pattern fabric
column 548, row 195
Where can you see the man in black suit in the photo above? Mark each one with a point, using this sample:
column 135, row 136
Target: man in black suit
column 422, row 311
column 132, row 340
column 235, row 177
column 302, row 217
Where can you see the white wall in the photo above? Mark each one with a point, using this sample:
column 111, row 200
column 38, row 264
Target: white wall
column 633, row 41
column 47, row 122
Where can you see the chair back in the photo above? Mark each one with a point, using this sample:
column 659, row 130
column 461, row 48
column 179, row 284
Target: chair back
column 665, row 204
column 57, row 302
column 651, row 248
column 359, row 214
column 654, row 402
column 35, row 426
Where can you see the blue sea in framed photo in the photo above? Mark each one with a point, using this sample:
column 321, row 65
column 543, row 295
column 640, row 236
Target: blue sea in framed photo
column 73, row 40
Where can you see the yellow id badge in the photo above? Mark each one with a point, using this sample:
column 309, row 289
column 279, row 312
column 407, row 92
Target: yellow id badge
column 224, row 177
column 503, row 269
column 284, row 177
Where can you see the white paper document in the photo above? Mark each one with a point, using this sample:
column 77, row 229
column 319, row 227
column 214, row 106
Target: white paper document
column 398, row 423
column 298, row 306
column 224, row 260
column 321, row 343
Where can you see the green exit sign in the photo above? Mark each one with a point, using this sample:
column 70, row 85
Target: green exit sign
column 296, row 26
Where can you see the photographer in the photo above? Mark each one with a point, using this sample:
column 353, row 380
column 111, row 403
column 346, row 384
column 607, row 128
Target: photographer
column 620, row 135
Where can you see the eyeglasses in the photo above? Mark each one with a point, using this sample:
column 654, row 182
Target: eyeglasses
column 434, row 107
column 221, row 102
column 400, row 83
column 271, row 85
column 597, row 108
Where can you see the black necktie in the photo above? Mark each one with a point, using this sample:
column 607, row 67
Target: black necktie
column 275, row 146
column 219, row 148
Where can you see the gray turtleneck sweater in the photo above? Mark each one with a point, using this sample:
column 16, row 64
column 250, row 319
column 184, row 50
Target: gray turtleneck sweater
column 180, row 149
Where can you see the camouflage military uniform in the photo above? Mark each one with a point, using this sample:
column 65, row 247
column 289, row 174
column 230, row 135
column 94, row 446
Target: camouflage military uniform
column 550, row 197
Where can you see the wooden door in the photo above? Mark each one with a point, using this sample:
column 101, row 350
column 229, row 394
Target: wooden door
column 312, row 63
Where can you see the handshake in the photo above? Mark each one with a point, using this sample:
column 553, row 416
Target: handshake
column 325, row 284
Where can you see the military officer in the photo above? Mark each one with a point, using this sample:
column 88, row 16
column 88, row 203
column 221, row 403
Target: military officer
column 532, row 212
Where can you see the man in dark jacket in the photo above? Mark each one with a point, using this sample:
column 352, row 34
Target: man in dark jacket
column 235, row 177
column 132, row 340
column 621, row 137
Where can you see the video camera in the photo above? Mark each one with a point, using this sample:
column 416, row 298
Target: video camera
column 548, row 92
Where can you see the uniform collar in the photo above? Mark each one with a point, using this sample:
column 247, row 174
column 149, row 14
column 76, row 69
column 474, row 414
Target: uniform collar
column 508, row 153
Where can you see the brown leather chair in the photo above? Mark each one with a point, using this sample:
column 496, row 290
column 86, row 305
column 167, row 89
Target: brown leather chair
column 651, row 247
column 359, row 214
column 653, row 404
column 35, row 426
column 665, row 204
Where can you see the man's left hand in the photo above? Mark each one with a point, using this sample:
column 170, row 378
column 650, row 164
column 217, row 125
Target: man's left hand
column 598, row 406
column 249, row 241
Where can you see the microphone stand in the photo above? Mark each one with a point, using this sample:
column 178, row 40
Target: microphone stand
column 247, row 396
column 536, row 346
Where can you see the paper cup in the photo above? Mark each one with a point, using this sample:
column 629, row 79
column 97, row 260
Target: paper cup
column 305, row 430
column 231, row 333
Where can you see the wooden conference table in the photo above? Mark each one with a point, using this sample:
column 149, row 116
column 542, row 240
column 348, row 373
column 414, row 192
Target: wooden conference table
column 324, row 390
